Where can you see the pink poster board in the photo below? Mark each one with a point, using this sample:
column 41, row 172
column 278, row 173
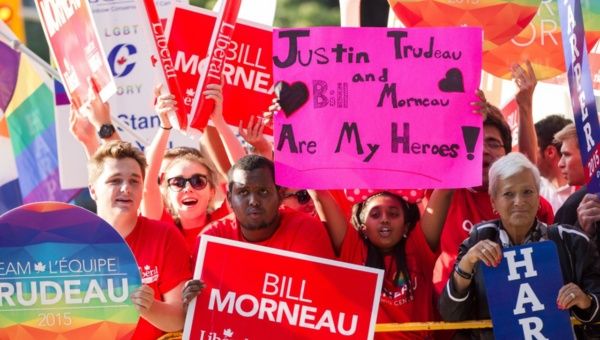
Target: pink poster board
column 377, row 107
column 74, row 42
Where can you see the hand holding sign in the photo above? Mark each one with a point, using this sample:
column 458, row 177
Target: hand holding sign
column 308, row 293
column 81, row 128
column 570, row 295
column 522, row 293
column 143, row 298
column 486, row 251
column 214, row 92
column 588, row 213
column 165, row 103
column 253, row 135
column 191, row 289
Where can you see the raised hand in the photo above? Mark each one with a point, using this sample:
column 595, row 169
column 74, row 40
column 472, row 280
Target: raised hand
column 165, row 103
column 526, row 82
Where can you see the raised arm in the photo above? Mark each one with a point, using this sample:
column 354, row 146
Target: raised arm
column 81, row 128
column 233, row 147
column 98, row 113
column 332, row 216
column 253, row 134
column 152, row 204
column 526, row 81
column 434, row 216
column 438, row 205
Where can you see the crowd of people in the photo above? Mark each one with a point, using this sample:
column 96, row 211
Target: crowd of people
column 430, row 243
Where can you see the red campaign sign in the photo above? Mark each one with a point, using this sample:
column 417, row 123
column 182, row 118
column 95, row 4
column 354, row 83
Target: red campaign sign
column 510, row 111
column 219, row 43
column 163, row 57
column 248, row 70
column 254, row 290
column 74, row 42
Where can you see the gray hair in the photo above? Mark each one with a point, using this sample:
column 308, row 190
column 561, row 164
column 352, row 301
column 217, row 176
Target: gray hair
column 509, row 165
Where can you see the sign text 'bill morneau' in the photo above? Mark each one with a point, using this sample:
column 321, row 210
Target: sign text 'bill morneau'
column 267, row 307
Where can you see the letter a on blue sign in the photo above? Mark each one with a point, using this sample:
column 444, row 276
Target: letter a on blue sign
column 522, row 291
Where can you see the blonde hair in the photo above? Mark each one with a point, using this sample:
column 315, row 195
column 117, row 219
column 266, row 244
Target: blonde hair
column 566, row 133
column 115, row 150
column 211, row 178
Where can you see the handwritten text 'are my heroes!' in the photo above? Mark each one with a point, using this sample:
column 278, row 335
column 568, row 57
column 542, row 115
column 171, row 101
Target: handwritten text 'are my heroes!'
column 326, row 95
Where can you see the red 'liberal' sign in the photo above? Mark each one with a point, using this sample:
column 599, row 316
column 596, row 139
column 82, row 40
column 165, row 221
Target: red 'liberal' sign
column 248, row 69
column 163, row 57
column 253, row 290
column 219, row 44
column 510, row 111
column 74, row 42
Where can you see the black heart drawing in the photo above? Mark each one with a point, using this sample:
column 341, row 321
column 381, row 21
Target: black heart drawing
column 291, row 97
column 453, row 81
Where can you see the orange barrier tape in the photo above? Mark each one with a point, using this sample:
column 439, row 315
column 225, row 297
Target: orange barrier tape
column 438, row 326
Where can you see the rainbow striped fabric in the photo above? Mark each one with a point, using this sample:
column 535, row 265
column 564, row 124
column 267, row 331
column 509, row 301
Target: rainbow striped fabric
column 27, row 104
column 10, row 194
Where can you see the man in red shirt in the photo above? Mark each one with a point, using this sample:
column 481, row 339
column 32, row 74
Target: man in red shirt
column 257, row 218
column 116, row 176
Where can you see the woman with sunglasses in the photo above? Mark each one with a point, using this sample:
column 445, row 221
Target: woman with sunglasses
column 188, row 194
column 187, row 181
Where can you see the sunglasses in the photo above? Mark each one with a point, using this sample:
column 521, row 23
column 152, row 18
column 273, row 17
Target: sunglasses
column 178, row 183
column 302, row 196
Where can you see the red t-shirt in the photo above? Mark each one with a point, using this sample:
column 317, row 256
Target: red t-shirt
column 163, row 260
column 297, row 232
column 395, row 304
column 467, row 209
column 191, row 235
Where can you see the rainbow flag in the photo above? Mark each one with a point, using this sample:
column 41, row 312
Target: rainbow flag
column 10, row 194
column 27, row 104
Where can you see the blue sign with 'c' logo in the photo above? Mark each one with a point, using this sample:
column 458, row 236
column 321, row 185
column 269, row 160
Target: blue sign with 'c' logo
column 119, row 59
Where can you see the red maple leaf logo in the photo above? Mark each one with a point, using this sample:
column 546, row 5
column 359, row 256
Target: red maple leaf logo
column 121, row 60
column 153, row 60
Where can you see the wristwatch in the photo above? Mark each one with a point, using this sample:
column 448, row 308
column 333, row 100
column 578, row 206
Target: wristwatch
column 106, row 130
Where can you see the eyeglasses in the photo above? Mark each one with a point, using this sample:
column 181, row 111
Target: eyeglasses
column 178, row 183
column 302, row 196
column 493, row 144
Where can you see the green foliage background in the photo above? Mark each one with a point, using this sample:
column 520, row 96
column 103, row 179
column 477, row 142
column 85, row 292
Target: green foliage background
column 297, row 13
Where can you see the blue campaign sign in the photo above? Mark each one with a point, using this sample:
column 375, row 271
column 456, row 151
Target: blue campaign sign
column 522, row 294
column 582, row 91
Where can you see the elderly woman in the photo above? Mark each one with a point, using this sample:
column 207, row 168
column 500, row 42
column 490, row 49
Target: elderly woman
column 514, row 190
